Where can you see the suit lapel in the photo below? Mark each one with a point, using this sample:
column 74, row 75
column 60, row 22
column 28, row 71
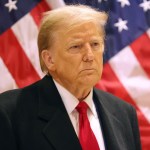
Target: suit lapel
column 58, row 130
column 112, row 129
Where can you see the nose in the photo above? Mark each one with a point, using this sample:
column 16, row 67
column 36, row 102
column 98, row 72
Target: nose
column 88, row 55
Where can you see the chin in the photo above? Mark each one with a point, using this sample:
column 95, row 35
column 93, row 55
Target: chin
column 89, row 81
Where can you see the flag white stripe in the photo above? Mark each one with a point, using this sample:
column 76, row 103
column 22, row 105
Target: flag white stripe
column 133, row 77
column 55, row 3
column 26, row 32
column 6, row 80
column 148, row 32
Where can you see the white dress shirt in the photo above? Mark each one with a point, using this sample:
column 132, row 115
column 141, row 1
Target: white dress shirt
column 70, row 102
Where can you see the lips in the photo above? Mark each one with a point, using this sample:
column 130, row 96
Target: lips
column 88, row 70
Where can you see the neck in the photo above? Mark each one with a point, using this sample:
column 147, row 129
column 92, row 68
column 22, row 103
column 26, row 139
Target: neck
column 81, row 99
column 81, row 94
column 79, row 91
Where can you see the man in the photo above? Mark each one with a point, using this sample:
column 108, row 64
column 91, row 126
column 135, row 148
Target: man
column 48, row 115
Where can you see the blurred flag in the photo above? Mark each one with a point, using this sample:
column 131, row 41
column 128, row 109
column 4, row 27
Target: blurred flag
column 19, row 20
column 127, row 56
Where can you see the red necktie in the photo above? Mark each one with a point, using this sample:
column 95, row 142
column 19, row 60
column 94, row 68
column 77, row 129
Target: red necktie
column 86, row 135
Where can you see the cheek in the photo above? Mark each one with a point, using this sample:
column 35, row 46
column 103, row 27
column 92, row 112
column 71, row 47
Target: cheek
column 99, row 64
column 69, row 66
column 99, row 59
column 74, row 61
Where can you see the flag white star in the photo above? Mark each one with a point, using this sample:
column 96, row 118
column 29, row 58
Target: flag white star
column 121, row 25
column 11, row 5
column 124, row 2
column 145, row 5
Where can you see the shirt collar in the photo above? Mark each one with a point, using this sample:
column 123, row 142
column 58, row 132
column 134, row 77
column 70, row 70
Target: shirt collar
column 70, row 101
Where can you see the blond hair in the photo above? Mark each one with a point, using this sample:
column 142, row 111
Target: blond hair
column 67, row 18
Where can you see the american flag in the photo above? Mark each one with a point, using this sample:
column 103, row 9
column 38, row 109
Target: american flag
column 126, row 71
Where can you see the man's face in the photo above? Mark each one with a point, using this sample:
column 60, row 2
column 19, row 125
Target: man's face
column 78, row 56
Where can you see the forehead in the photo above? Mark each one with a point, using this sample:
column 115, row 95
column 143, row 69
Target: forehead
column 84, row 30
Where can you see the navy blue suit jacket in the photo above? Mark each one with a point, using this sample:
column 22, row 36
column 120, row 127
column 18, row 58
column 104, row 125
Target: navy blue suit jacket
column 35, row 118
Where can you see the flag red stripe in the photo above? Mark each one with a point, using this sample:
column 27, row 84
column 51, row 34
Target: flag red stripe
column 110, row 83
column 16, row 61
column 36, row 12
column 141, row 48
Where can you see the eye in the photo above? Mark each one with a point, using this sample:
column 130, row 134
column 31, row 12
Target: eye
column 95, row 45
column 75, row 48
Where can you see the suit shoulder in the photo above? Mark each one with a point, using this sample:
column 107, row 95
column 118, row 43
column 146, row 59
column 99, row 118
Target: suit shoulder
column 111, row 99
column 10, row 99
column 116, row 106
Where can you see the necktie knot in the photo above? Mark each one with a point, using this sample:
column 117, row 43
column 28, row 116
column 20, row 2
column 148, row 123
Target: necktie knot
column 82, row 107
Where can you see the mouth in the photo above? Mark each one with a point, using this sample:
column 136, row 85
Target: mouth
column 89, row 70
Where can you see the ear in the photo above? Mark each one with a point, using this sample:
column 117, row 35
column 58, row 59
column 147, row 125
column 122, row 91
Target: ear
column 48, row 59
